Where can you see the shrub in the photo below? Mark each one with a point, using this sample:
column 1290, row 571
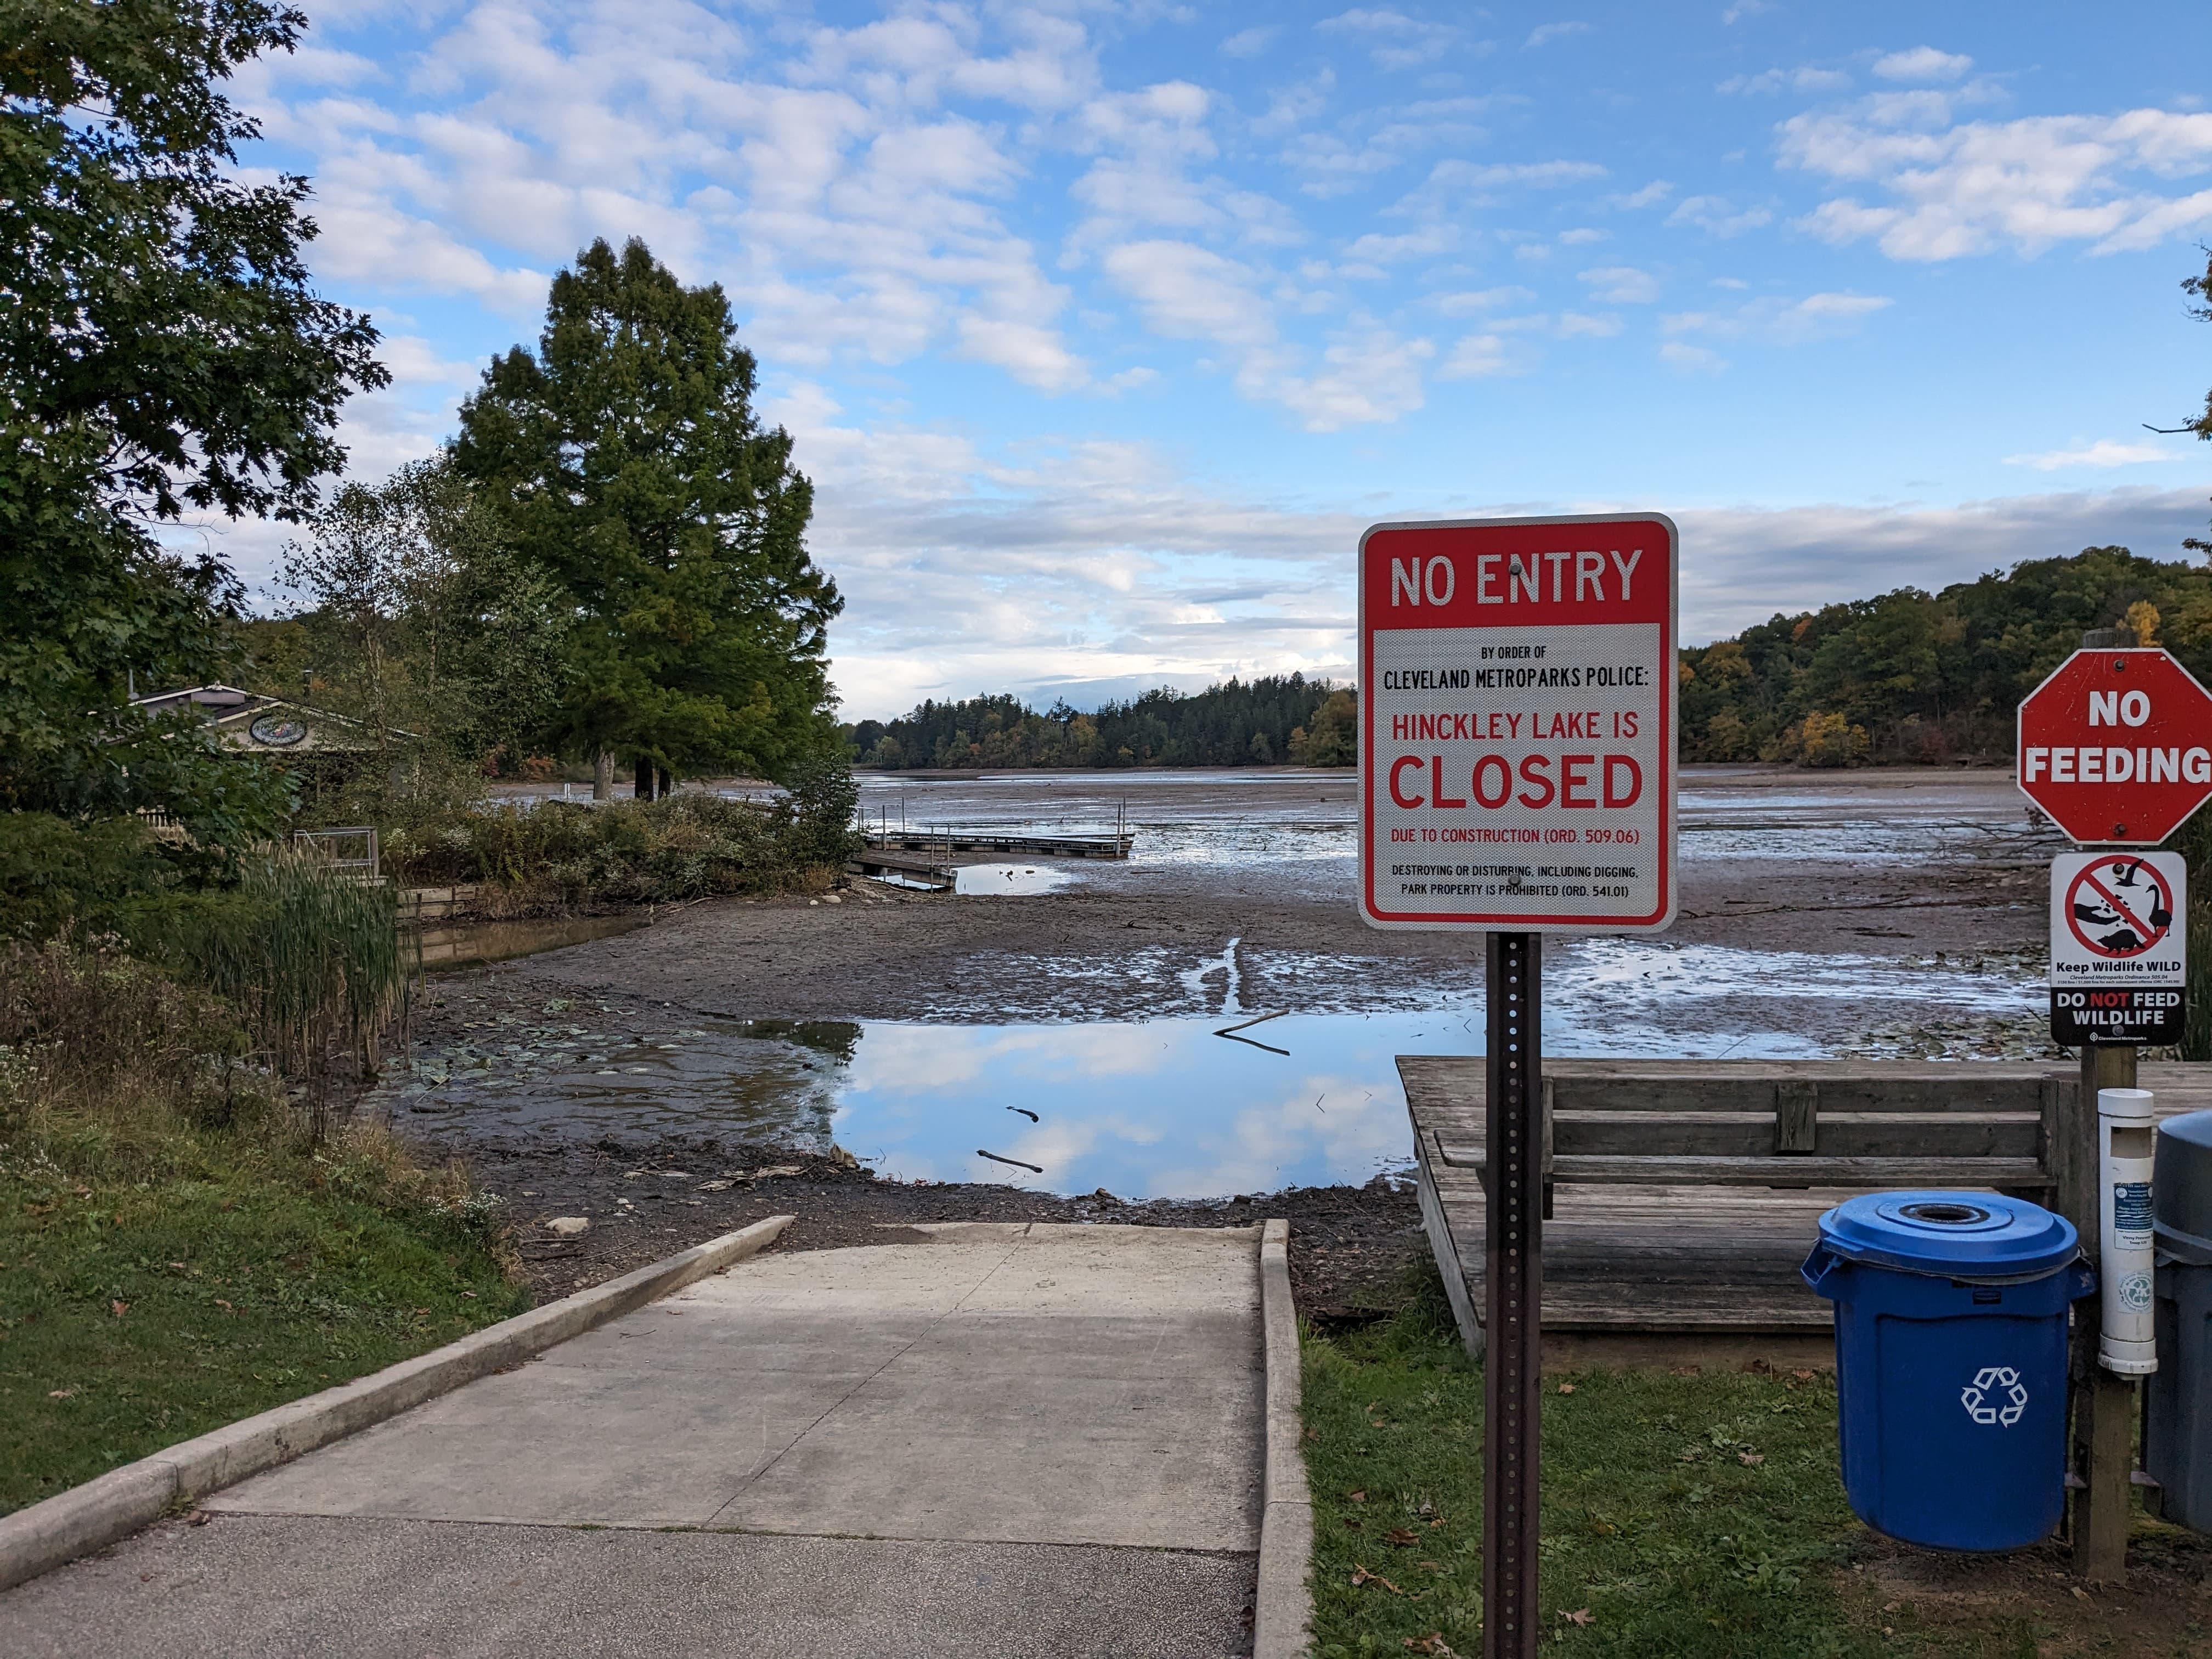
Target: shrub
column 632, row 852
column 56, row 874
column 1820, row 740
column 96, row 1036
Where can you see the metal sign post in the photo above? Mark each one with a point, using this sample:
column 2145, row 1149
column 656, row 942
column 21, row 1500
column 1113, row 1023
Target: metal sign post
column 1512, row 1293
column 2116, row 746
column 1517, row 680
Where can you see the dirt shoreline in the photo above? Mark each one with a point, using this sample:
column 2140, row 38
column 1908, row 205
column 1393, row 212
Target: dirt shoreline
column 649, row 1197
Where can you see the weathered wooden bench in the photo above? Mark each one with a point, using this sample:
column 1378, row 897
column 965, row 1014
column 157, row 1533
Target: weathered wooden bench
column 1681, row 1195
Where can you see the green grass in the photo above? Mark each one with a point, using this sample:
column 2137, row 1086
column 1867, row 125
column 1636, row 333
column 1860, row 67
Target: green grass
column 246, row 1274
column 1684, row 1515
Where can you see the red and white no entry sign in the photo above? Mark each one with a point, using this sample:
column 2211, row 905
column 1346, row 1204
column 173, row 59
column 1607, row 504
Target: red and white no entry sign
column 1517, row 695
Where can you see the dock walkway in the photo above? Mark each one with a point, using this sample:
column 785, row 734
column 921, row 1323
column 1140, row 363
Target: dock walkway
column 942, row 842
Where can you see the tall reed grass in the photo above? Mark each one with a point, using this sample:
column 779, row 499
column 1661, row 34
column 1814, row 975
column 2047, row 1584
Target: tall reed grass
column 313, row 963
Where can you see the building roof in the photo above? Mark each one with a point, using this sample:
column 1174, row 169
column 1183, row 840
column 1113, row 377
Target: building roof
column 253, row 723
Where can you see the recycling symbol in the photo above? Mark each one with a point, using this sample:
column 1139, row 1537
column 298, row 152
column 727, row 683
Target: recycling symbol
column 2135, row 1292
column 1995, row 1381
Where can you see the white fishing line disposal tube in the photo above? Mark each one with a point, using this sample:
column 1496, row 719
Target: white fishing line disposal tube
column 2127, row 1139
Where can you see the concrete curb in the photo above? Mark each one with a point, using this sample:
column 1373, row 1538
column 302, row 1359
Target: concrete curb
column 1283, row 1609
column 88, row 1518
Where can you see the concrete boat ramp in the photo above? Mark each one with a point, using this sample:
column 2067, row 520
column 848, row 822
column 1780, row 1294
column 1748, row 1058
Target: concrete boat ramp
column 971, row 1439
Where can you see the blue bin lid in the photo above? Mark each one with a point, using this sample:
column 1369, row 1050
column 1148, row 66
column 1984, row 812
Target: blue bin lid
column 1958, row 1235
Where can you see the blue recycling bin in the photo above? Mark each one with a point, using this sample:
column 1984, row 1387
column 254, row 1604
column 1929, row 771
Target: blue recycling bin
column 1951, row 1319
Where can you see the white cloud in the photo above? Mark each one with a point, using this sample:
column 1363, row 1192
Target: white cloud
column 1769, row 83
column 1336, row 162
column 1582, row 235
column 1780, row 322
column 1544, row 33
column 1455, row 188
column 1577, row 324
column 2105, row 452
column 1484, row 356
column 1621, row 285
column 1188, row 292
column 847, row 213
column 1650, row 196
column 1717, row 216
column 1367, row 373
column 1743, row 9
column 1398, row 42
column 1250, row 43
column 1965, row 189
column 1034, row 356
column 1369, row 376
column 1057, row 561
column 1053, row 561
column 1922, row 63
column 1488, row 299
column 1691, row 360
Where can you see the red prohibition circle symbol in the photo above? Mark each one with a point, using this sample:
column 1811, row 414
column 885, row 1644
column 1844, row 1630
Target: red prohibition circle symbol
column 2119, row 906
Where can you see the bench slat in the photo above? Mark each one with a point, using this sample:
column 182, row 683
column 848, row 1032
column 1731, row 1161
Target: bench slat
column 1813, row 1170
column 1751, row 1134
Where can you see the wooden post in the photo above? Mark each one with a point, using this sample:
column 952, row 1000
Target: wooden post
column 1512, row 1294
column 2104, row 1405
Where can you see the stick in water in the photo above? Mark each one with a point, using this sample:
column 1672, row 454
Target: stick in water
column 1035, row 1169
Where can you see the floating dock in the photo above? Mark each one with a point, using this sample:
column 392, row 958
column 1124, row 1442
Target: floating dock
column 944, row 843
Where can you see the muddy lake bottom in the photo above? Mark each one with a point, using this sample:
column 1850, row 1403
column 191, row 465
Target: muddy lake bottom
column 1175, row 1108
column 1206, row 1018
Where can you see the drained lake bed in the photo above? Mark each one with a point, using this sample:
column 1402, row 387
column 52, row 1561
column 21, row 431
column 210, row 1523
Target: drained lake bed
column 1243, row 1099
column 1056, row 1025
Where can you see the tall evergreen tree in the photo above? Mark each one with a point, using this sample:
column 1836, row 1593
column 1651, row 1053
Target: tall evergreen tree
column 160, row 350
column 627, row 459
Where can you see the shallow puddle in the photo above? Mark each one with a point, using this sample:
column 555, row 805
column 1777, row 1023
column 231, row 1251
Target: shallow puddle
column 1179, row 1108
column 1009, row 880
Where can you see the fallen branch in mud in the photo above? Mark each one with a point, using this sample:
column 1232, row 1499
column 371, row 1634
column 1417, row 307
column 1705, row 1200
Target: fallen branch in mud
column 1231, row 1032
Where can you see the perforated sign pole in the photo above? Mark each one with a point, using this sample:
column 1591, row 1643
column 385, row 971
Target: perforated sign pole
column 1512, row 1292
column 1516, row 760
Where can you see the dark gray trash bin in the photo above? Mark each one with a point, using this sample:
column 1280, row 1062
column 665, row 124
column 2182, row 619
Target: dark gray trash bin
column 2177, row 1413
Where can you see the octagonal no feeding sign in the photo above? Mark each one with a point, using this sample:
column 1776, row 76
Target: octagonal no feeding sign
column 2117, row 746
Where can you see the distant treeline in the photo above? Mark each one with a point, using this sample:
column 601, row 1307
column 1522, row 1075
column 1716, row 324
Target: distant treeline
column 1260, row 722
column 1912, row 677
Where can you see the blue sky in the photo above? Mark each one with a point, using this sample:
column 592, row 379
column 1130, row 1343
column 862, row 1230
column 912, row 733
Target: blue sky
column 1104, row 330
